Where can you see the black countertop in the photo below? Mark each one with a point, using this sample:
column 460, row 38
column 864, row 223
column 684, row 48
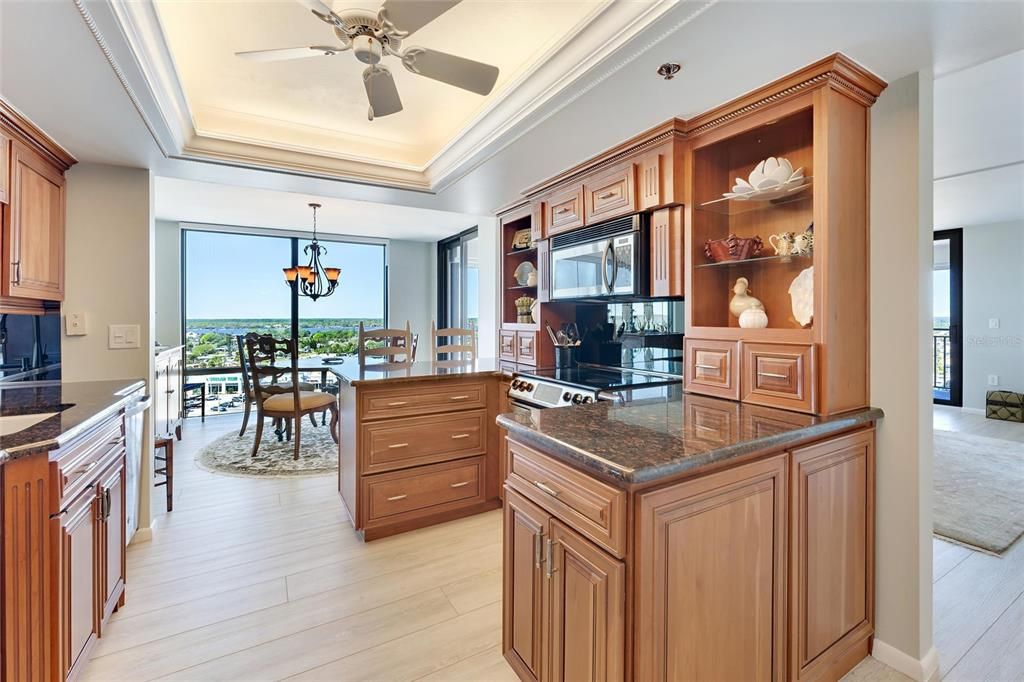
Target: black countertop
column 379, row 372
column 643, row 441
column 75, row 404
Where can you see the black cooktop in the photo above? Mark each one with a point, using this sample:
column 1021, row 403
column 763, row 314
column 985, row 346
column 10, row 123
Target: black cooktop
column 603, row 378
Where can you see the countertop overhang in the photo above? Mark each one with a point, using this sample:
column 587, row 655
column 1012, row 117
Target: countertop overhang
column 644, row 442
column 378, row 373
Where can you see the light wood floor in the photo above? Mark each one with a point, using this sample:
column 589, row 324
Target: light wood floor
column 251, row 579
column 978, row 608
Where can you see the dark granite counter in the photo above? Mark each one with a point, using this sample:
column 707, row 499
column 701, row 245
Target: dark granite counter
column 643, row 441
column 74, row 406
column 377, row 373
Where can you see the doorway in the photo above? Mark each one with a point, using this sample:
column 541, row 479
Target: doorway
column 947, row 318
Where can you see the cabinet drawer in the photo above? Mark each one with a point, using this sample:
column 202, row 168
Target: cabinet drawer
column 507, row 344
column 564, row 211
column 427, row 488
column 402, row 443
column 610, row 195
column 712, row 368
column 81, row 460
column 421, row 399
column 591, row 507
column 526, row 347
column 779, row 375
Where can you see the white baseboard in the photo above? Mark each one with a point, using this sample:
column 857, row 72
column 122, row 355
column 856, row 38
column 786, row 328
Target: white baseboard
column 924, row 670
column 141, row 535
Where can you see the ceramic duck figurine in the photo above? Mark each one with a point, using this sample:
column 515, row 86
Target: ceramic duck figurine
column 742, row 300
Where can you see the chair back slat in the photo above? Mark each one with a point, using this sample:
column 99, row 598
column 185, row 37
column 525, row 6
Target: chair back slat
column 263, row 350
column 458, row 341
column 399, row 346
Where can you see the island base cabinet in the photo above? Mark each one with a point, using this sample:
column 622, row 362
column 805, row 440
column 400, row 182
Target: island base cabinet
column 711, row 577
column 78, row 576
column 564, row 600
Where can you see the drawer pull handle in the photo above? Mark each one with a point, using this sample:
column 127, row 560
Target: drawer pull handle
column 458, row 436
column 395, row 446
column 84, row 470
column 459, row 397
column 773, row 375
column 395, row 498
column 564, row 209
column 398, row 403
column 606, row 195
column 550, row 559
column 546, row 488
column 700, row 366
column 460, row 484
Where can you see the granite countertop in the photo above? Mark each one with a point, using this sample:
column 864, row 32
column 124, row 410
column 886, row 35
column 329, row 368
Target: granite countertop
column 75, row 404
column 386, row 373
column 643, row 441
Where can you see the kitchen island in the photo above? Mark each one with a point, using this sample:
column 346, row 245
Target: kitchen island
column 688, row 538
column 419, row 444
column 63, row 511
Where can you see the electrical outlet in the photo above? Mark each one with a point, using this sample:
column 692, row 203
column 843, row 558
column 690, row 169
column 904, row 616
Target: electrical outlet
column 74, row 324
column 993, row 323
column 993, row 379
column 123, row 336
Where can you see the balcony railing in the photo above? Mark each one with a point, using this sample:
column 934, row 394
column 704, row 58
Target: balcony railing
column 941, row 360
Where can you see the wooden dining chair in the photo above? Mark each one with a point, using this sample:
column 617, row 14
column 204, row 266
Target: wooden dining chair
column 395, row 346
column 275, row 399
column 458, row 342
column 247, row 390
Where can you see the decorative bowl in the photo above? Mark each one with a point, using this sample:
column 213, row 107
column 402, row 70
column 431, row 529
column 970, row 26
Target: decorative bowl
column 771, row 179
column 732, row 248
column 522, row 273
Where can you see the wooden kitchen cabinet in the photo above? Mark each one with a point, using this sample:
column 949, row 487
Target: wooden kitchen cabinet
column 507, row 344
column 667, row 252
column 79, row 578
column 5, row 167
column 649, row 171
column 168, row 406
column 526, row 347
column 690, row 601
column 712, row 367
column 780, row 375
column 610, row 194
column 524, row 584
column 564, row 211
column 111, row 538
column 587, row 609
column 33, row 234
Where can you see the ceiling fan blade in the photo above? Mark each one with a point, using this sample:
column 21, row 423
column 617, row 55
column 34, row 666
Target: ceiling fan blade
column 401, row 18
column 381, row 91
column 286, row 53
column 458, row 71
column 321, row 10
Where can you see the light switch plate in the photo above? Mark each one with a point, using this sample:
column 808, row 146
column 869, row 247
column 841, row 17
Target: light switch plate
column 123, row 336
column 74, row 324
column 993, row 323
column 993, row 379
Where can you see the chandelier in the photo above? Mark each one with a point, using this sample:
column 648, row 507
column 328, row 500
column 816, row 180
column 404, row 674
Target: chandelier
column 313, row 280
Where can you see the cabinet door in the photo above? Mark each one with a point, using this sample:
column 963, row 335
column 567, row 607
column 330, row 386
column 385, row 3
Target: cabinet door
column 175, row 406
column 610, row 195
column 507, row 344
column 160, row 388
column 833, row 535
column 79, row 563
column 711, row 577
column 586, row 609
column 503, row 407
column 667, row 252
column 112, row 550
column 524, row 585
column 5, row 168
column 34, row 239
column 526, row 348
column 564, row 211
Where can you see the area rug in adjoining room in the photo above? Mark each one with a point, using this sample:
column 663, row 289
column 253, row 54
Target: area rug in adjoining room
column 979, row 490
column 230, row 454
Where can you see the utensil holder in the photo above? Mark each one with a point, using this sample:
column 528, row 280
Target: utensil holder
column 565, row 357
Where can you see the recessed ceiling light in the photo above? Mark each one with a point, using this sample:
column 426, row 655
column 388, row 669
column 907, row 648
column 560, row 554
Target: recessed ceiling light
column 668, row 70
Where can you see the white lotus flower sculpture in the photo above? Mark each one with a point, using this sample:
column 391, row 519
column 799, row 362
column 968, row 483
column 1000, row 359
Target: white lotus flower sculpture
column 771, row 179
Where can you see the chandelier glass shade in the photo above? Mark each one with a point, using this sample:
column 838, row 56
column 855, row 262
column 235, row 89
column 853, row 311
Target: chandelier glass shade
column 313, row 280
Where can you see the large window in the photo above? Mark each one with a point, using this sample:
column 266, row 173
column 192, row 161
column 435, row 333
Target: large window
column 458, row 291
column 232, row 284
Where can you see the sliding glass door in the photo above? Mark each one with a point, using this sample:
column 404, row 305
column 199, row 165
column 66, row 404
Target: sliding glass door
column 947, row 318
column 458, row 291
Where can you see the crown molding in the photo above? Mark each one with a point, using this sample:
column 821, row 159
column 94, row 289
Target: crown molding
column 15, row 123
column 135, row 46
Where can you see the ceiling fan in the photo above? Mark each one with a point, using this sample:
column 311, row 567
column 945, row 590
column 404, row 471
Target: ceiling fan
column 373, row 36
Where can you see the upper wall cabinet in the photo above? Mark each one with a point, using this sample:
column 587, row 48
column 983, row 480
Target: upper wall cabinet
column 610, row 195
column 32, row 203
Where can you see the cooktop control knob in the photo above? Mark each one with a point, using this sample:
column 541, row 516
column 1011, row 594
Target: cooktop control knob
column 567, row 396
column 577, row 398
column 587, row 399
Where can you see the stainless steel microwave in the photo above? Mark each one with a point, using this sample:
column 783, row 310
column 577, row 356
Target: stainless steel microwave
column 608, row 260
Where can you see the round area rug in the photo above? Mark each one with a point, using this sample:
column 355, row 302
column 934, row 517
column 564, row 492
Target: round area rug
column 229, row 454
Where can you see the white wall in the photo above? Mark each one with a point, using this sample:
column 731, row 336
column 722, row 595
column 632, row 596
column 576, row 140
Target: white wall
column 490, row 255
column 167, row 273
column 109, row 278
column 901, row 255
column 993, row 266
column 409, row 289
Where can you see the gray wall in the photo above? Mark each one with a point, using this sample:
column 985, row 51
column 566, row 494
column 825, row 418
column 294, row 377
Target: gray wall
column 167, row 268
column 410, row 284
column 993, row 288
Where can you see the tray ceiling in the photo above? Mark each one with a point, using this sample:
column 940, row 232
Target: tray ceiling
column 318, row 104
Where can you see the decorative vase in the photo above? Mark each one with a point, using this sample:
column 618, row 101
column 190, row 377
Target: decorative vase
column 742, row 300
column 754, row 318
column 531, row 279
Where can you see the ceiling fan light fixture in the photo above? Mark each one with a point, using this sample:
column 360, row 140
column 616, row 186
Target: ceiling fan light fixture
column 668, row 70
column 367, row 49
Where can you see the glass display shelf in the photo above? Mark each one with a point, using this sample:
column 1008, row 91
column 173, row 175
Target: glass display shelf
column 760, row 260
column 519, row 252
column 727, row 206
column 521, row 286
